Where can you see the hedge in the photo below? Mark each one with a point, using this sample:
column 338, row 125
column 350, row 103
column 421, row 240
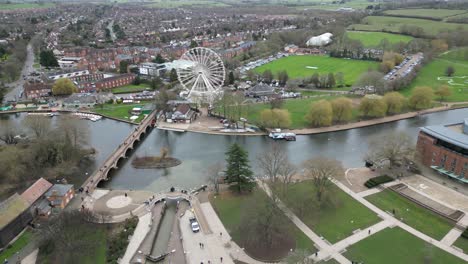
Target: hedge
column 465, row 233
column 376, row 181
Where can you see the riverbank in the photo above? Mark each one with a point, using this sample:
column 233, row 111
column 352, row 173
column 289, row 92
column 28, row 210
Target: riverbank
column 334, row 128
column 16, row 111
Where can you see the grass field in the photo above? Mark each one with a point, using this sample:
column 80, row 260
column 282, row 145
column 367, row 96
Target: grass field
column 339, row 221
column 297, row 108
column 121, row 111
column 393, row 24
column 373, row 39
column 20, row 243
column 296, row 66
column 130, row 89
column 394, row 245
column 435, row 13
column 433, row 75
column 228, row 206
column 25, row 6
column 412, row 214
column 462, row 243
column 181, row 3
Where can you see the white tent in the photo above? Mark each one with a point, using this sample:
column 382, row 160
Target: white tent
column 321, row 40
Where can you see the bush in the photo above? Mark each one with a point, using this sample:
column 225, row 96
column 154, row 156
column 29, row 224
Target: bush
column 119, row 242
column 465, row 233
column 376, row 181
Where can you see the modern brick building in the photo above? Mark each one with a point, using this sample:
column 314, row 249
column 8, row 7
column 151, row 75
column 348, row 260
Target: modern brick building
column 444, row 148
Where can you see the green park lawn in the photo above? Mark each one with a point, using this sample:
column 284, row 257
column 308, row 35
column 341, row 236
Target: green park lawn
column 462, row 243
column 412, row 214
column 229, row 206
column 395, row 245
column 373, row 39
column 433, row 13
column 297, row 108
column 132, row 88
column 433, row 75
column 393, row 24
column 334, row 221
column 25, row 6
column 20, row 243
column 120, row 111
column 296, row 66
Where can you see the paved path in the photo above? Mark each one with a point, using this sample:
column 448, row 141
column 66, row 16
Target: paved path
column 455, row 232
column 402, row 225
column 363, row 234
column 31, row 258
column 325, row 249
column 365, row 123
column 143, row 227
column 214, row 247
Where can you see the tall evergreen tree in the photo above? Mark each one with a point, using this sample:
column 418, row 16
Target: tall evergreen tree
column 238, row 168
column 231, row 77
column 47, row 59
column 173, row 75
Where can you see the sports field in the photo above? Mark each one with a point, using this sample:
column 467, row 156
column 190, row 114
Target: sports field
column 433, row 75
column 393, row 24
column 373, row 39
column 433, row 13
column 307, row 65
column 395, row 245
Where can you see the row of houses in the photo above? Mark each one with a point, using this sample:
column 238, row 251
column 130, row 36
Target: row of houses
column 40, row 200
column 85, row 83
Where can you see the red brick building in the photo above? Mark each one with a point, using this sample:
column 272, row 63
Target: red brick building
column 60, row 195
column 444, row 148
column 35, row 90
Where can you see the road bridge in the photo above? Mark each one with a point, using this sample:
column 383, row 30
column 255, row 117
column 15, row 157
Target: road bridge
column 122, row 151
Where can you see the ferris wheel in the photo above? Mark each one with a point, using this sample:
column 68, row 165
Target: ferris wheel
column 204, row 76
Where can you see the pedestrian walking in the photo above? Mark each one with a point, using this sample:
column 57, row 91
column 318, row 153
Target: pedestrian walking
column 199, row 244
column 221, row 259
column 220, row 233
column 125, row 194
column 369, row 232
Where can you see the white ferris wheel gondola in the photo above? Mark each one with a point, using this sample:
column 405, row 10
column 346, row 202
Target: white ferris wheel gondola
column 203, row 76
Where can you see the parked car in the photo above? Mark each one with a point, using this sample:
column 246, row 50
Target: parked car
column 194, row 225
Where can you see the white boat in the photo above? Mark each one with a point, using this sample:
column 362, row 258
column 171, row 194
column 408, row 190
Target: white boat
column 88, row 116
column 277, row 135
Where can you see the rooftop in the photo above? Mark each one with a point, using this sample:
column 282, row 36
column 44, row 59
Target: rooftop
column 451, row 133
column 36, row 190
column 11, row 208
column 59, row 189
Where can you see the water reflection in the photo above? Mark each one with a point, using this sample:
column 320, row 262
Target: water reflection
column 198, row 151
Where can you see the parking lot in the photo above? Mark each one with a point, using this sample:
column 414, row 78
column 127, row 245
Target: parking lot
column 405, row 67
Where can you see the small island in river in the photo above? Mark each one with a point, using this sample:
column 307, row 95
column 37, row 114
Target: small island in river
column 155, row 162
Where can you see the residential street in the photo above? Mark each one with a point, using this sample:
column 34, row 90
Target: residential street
column 17, row 86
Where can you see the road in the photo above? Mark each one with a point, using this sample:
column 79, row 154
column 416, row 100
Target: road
column 110, row 26
column 17, row 86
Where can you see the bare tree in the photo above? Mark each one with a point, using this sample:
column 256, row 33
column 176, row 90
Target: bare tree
column 321, row 170
column 276, row 166
column 71, row 236
column 215, row 172
column 39, row 125
column 392, row 150
column 261, row 216
column 8, row 134
column 75, row 131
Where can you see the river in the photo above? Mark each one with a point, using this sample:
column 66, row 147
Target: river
column 198, row 151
